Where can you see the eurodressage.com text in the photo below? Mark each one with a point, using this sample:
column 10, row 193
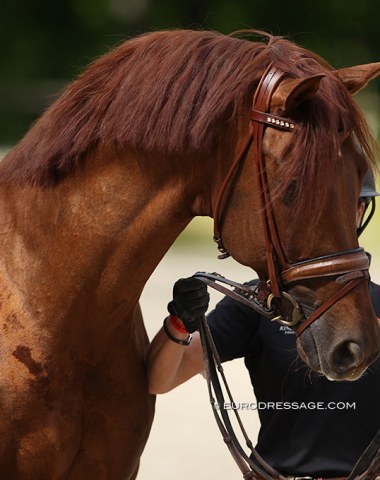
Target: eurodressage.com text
column 287, row 406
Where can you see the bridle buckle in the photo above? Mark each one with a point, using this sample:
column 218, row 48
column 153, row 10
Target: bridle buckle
column 296, row 311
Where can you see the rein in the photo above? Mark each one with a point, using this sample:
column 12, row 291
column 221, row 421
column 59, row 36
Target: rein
column 254, row 470
column 349, row 266
column 254, row 467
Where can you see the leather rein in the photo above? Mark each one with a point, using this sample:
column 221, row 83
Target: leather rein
column 349, row 267
column 254, row 467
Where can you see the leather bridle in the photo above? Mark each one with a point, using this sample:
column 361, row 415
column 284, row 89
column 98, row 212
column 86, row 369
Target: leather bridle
column 348, row 267
column 269, row 297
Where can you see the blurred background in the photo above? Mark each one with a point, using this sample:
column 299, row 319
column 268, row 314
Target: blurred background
column 44, row 44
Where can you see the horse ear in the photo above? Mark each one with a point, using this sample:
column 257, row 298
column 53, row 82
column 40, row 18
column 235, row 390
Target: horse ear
column 292, row 92
column 356, row 78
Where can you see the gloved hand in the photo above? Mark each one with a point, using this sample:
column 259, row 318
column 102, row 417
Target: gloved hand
column 190, row 301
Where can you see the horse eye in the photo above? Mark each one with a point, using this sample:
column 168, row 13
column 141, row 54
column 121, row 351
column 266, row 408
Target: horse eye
column 343, row 135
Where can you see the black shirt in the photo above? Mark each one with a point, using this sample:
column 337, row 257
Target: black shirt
column 319, row 427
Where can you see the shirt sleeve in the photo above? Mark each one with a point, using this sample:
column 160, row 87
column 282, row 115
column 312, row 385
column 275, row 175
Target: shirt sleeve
column 233, row 326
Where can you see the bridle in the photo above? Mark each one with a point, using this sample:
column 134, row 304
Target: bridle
column 269, row 297
column 348, row 267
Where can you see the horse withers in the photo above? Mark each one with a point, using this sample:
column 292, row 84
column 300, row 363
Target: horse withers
column 99, row 188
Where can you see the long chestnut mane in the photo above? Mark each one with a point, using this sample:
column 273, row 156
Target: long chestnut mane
column 180, row 92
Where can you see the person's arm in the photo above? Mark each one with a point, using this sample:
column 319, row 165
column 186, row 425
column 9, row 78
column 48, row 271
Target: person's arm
column 170, row 363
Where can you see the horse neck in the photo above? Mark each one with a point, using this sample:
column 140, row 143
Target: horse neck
column 103, row 230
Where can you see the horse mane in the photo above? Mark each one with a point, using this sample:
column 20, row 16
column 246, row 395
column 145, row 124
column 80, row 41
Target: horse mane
column 180, row 92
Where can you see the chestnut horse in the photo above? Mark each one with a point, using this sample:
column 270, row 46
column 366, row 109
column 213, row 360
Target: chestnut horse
column 99, row 188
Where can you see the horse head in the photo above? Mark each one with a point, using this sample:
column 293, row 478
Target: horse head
column 313, row 171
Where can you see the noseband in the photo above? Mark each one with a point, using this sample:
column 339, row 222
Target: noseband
column 348, row 267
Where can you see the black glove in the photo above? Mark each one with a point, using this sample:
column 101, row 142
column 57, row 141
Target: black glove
column 190, row 301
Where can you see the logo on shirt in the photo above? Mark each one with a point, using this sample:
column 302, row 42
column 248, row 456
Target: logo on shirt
column 286, row 330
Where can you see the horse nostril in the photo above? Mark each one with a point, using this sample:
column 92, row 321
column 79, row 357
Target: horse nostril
column 346, row 355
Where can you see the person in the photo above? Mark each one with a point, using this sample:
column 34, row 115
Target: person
column 310, row 427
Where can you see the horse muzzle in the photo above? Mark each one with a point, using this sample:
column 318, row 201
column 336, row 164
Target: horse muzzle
column 347, row 358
